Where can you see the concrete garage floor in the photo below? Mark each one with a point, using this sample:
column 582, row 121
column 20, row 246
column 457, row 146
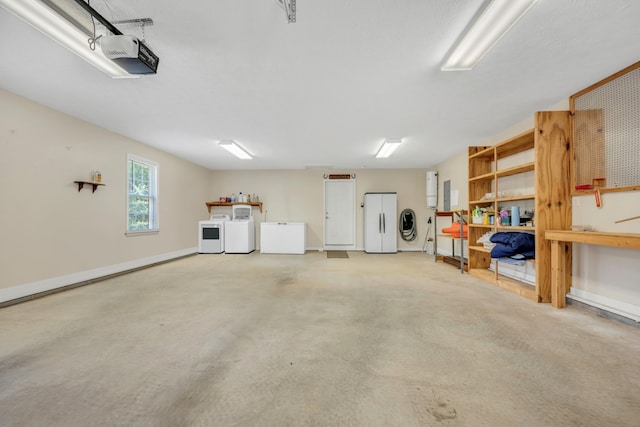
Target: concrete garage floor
column 278, row 340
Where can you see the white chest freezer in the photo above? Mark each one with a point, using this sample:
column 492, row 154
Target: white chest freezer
column 283, row 237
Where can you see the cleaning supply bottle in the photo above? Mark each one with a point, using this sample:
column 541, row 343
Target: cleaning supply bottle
column 233, row 198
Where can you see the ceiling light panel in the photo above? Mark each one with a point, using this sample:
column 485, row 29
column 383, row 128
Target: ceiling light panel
column 232, row 147
column 388, row 147
column 490, row 26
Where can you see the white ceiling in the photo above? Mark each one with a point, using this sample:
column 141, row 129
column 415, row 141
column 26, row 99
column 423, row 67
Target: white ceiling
column 326, row 90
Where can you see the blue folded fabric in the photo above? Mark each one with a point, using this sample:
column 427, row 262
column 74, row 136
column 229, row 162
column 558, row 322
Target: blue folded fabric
column 515, row 239
column 511, row 243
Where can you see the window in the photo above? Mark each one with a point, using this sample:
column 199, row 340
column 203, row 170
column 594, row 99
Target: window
column 142, row 195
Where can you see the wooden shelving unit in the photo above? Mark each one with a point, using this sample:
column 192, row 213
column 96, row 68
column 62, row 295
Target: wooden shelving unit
column 548, row 144
column 212, row 204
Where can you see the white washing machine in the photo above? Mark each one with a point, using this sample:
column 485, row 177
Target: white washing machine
column 211, row 235
column 240, row 231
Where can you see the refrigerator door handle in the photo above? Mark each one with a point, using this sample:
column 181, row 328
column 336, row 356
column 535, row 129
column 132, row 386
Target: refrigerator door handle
column 384, row 224
column 379, row 223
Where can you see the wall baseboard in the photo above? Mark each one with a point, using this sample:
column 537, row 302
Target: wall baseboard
column 27, row 291
column 318, row 249
column 605, row 303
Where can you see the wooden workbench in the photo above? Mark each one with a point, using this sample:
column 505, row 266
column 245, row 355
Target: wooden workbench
column 561, row 255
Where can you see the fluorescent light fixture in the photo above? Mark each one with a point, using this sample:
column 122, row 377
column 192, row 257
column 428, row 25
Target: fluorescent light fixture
column 49, row 23
column 493, row 23
column 388, row 147
column 235, row 149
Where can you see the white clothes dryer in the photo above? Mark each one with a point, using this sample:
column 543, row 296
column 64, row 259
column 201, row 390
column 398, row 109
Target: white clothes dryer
column 211, row 235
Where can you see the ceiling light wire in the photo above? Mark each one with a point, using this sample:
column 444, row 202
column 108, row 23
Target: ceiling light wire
column 92, row 40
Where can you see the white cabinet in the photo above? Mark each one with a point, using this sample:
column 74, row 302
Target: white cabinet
column 380, row 222
column 282, row 237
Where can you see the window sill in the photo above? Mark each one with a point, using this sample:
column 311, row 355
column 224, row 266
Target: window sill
column 141, row 233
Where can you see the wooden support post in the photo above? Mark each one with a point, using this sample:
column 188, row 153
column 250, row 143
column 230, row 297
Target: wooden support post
column 558, row 275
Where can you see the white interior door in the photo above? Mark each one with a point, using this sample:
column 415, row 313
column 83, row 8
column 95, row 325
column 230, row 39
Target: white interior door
column 339, row 214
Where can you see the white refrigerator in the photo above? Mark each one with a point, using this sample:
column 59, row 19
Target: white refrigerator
column 380, row 222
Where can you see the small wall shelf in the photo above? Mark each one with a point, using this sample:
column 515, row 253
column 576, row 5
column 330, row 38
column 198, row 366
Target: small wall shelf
column 211, row 204
column 92, row 183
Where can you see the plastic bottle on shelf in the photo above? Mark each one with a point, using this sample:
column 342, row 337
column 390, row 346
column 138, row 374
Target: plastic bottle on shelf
column 515, row 215
column 240, row 197
column 233, row 198
column 255, row 198
column 249, row 198
column 485, row 218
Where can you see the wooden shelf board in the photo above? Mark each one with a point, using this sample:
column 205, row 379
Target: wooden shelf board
column 486, row 153
column 503, row 227
column 620, row 240
column 480, row 249
column 517, row 287
column 514, row 286
column 484, row 274
column 517, row 144
column 94, row 185
column 212, row 204
column 515, row 228
column 483, row 177
column 515, row 198
column 525, row 167
column 481, row 225
column 481, row 202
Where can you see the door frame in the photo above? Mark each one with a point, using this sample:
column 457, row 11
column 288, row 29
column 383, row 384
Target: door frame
column 324, row 217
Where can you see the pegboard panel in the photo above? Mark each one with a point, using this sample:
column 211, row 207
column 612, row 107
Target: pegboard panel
column 606, row 132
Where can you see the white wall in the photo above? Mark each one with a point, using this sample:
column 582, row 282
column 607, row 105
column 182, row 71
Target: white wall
column 49, row 229
column 298, row 196
column 603, row 276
